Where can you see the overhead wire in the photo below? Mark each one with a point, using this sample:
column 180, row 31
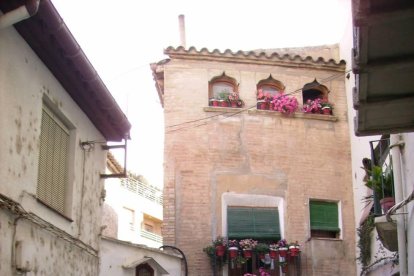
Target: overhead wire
column 330, row 78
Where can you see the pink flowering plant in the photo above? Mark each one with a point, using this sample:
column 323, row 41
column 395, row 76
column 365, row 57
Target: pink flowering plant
column 233, row 243
column 285, row 104
column 235, row 97
column 264, row 96
column 248, row 244
column 282, row 243
column 312, row 106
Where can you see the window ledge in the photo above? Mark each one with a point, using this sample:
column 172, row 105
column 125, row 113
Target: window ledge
column 54, row 210
column 224, row 109
column 326, row 239
column 299, row 115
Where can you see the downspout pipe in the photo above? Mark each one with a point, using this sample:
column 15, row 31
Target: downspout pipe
column 395, row 147
column 21, row 13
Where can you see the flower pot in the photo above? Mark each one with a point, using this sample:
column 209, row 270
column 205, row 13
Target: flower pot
column 262, row 105
column 234, row 104
column 262, row 255
column 247, row 253
column 233, row 252
column 220, row 250
column 326, row 111
column 294, row 251
column 283, row 251
column 224, row 104
column 387, row 203
column 215, row 103
column 274, row 254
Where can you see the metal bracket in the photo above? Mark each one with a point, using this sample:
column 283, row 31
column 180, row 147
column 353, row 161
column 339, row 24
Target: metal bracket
column 124, row 173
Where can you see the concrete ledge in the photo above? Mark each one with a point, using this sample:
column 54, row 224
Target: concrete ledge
column 254, row 111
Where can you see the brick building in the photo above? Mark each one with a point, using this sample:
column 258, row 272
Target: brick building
column 228, row 164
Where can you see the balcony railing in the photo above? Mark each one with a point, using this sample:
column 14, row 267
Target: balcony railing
column 151, row 236
column 142, row 189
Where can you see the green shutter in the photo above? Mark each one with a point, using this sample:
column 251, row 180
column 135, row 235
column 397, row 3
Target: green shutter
column 324, row 216
column 255, row 223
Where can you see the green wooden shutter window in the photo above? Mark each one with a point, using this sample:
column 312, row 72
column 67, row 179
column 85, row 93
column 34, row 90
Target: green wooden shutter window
column 255, row 223
column 324, row 216
column 53, row 161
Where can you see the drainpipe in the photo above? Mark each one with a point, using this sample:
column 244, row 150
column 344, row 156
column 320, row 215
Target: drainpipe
column 395, row 147
column 21, row 13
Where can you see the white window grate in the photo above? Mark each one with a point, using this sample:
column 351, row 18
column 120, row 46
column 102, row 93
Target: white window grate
column 53, row 161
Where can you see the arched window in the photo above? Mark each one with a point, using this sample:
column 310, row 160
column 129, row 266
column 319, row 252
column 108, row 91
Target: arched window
column 267, row 89
column 221, row 87
column 271, row 86
column 144, row 270
column 314, row 90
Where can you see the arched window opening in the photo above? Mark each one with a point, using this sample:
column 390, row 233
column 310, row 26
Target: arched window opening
column 314, row 90
column 267, row 89
column 223, row 91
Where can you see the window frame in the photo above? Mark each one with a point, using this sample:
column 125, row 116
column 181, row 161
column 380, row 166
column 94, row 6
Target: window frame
column 223, row 79
column 58, row 118
column 317, row 87
column 272, row 83
column 325, row 232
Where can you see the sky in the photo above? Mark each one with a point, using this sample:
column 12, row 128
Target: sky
column 121, row 38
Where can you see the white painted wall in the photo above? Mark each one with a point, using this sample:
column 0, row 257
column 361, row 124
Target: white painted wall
column 24, row 81
column 119, row 198
column 115, row 253
column 407, row 167
column 359, row 145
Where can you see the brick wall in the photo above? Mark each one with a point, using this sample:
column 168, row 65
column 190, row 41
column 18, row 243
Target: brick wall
column 259, row 153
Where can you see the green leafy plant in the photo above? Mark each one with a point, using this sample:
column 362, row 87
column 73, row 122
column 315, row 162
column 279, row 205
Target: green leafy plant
column 380, row 182
column 364, row 242
column 262, row 248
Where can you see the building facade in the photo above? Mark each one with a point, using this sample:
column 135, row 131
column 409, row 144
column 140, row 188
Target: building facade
column 133, row 208
column 224, row 164
column 51, row 191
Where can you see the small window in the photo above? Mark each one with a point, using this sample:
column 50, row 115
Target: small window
column 52, row 179
column 270, row 87
column 128, row 216
column 324, row 222
column 314, row 90
column 148, row 227
column 221, row 87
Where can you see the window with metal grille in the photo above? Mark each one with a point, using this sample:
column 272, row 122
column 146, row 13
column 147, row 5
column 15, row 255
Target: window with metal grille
column 324, row 220
column 53, row 161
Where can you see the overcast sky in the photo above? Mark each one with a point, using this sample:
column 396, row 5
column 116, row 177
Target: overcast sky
column 121, row 38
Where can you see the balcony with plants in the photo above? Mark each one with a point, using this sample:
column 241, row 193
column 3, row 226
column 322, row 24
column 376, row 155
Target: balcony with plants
column 249, row 257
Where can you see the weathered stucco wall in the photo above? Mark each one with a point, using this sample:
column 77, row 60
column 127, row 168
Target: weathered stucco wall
column 24, row 82
column 256, row 153
column 114, row 254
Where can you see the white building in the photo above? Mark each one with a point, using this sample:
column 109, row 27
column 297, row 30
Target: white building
column 378, row 48
column 53, row 111
column 133, row 210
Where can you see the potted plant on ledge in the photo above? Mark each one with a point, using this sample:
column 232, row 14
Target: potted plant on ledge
column 382, row 184
column 327, row 107
column 248, row 245
column 235, row 100
column 285, row 104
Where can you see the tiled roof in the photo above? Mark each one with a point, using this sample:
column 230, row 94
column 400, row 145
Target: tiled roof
column 288, row 58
